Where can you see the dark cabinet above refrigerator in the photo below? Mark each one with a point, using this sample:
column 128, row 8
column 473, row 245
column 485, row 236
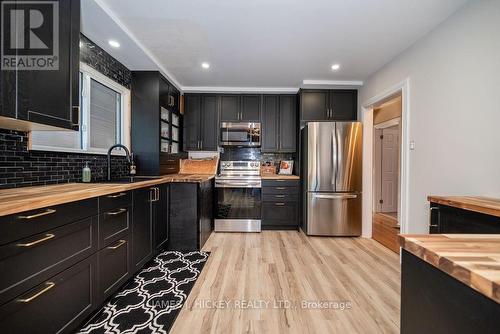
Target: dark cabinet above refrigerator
column 332, row 105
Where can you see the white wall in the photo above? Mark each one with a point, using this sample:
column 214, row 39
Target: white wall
column 454, row 74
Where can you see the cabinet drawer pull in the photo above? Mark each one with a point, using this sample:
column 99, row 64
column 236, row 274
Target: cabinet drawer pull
column 117, row 212
column 44, row 213
column 279, row 196
column 118, row 245
column 49, row 286
column 280, row 188
column 48, row 236
column 117, row 195
column 279, row 204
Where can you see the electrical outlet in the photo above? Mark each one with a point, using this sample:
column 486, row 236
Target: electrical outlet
column 412, row 145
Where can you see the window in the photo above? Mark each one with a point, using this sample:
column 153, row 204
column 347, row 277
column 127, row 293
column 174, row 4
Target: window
column 104, row 118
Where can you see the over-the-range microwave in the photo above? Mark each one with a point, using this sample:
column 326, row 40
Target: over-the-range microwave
column 240, row 134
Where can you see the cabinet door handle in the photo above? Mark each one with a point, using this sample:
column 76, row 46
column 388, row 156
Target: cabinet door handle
column 117, row 195
column 49, row 285
column 279, row 204
column 157, row 194
column 118, row 245
column 117, row 212
column 44, row 213
column 48, row 236
column 430, row 216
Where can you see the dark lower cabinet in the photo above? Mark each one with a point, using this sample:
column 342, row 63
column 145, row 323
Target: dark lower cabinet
column 434, row 302
column 191, row 215
column 36, row 258
column 447, row 219
column 142, row 226
column 160, row 227
column 280, row 204
column 58, row 305
column 114, row 266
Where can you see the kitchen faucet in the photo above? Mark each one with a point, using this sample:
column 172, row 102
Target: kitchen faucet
column 127, row 152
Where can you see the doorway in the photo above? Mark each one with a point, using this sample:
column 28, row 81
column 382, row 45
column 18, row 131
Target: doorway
column 386, row 172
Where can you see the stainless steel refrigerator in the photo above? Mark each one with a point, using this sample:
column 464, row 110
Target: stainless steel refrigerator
column 332, row 178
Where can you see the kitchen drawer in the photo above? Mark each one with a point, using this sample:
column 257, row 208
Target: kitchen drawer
column 114, row 266
column 112, row 201
column 114, row 224
column 279, row 211
column 58, row 305
column 28, row 262
column 25, row 224
column 280, row 190
column 280, row 183
column 280, row 198
column 278, row 224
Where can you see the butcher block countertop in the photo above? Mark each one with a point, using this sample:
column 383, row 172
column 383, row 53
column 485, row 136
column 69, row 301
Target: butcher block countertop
column 30, row 198
column 280, row 177
column 473, row 259
column 486, row 205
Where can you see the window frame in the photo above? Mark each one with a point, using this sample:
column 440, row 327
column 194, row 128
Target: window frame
column 88, row 74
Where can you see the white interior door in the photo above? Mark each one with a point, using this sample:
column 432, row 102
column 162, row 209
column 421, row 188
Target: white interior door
column 390, row 169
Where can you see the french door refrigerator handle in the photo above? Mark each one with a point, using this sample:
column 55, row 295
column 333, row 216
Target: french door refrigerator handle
column 334, row 157
column 337, row 167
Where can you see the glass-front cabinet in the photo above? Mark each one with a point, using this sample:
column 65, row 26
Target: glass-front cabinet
column 170, row 120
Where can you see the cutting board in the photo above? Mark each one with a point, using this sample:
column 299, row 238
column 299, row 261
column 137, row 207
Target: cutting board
column 199, row 166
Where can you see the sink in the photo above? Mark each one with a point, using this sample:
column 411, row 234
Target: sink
column 133, row 179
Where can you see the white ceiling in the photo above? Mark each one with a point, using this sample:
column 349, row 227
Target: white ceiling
column 261, row 43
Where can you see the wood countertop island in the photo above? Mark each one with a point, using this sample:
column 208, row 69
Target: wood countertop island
column 481, row 204
column 17, row 200
column 473, row 259
column 452, row 281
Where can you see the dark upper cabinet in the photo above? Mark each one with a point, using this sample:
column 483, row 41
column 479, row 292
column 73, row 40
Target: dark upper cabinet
column 279, row 117
column 250, row 108
column 209, row 123
column 230, row 108
column 152, row 123
column 287, row 123
column 335, row 105
column 201, row 122
column 343, row 105
column 192, row 114
column 49, row 97
column 270, row 122
column 142, row 226
column 314, row 105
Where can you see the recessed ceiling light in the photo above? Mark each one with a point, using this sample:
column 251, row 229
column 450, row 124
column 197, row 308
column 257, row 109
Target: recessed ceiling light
column 335, row 67
column 205, row 65
column 114, row 43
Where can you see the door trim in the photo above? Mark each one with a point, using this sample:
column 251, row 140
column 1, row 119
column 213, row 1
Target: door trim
column 367, row 107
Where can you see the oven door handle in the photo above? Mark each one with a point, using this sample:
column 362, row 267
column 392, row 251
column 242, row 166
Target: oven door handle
column 237, row 184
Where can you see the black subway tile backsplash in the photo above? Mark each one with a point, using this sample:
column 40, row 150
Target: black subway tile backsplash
column 92, row 55
column 20, row 167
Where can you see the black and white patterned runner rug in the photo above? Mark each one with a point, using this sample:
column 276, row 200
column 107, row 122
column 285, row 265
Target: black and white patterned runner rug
column 151, row 302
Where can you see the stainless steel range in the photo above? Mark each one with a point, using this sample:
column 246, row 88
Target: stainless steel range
column 238, row 188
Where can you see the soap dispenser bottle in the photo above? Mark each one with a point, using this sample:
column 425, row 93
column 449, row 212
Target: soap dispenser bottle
column 86, row 173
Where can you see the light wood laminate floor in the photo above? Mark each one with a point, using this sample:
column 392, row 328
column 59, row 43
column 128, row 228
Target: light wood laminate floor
column 248, row 274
